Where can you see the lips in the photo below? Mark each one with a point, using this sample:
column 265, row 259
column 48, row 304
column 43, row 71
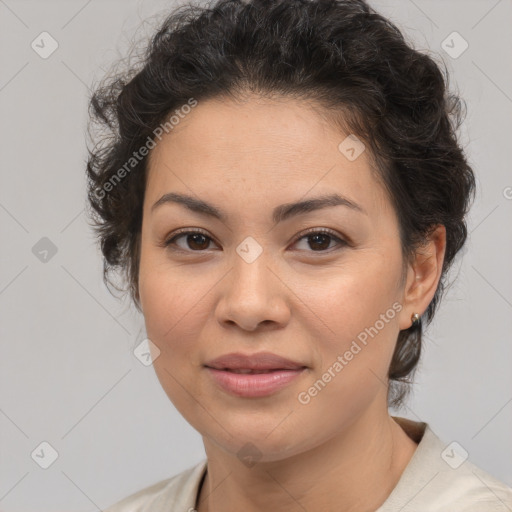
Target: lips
column 247, row 371
column 263, row 362
column 253, row 376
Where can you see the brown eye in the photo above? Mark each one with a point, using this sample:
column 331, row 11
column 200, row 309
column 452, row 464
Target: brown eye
column 194, row 241
column 320, row 240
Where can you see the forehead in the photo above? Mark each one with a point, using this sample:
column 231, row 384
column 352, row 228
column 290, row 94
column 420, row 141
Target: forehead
column 268, row 147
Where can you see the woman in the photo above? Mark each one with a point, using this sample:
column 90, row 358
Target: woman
column 284, row 192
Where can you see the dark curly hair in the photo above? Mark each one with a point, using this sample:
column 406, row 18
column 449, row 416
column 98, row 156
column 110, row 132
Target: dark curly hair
column 349, row 60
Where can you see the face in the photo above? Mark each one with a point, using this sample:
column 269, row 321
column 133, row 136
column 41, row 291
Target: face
column 319, row 287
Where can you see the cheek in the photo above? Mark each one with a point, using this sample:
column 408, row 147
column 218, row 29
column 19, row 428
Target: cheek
column 163, row 289
column 176, row 305
column 169, row 306
column 352, row 355
column 160, row 305
column 171, row 315
column 357, row 320
column 352, row 299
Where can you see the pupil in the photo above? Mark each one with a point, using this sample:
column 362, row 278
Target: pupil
column 195, row 238
column 320, row 236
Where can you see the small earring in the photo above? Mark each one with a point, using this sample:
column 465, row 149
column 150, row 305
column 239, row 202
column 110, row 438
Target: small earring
column 415, row 319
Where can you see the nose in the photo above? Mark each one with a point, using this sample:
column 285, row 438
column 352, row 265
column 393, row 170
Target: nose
column 253, row 296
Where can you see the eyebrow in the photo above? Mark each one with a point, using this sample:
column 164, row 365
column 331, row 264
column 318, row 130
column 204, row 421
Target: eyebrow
column 279, row 214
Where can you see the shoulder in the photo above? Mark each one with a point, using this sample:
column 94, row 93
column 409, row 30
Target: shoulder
column 468, row 488
column 179, row 491
column 482, row 492
column 440, row 478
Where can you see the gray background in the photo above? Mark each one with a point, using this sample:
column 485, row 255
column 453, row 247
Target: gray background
column 68, row 375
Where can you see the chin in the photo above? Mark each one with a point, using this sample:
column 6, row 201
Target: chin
column 259, row 435
column 250, row 447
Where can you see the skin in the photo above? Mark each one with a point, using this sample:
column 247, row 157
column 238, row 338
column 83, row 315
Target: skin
column 299, row 299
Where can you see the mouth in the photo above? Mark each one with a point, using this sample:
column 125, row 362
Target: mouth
column 253, row 363
column 252, row 371
column 253, row 376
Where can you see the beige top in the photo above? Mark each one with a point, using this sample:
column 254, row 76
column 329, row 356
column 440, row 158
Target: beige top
column 436, row 479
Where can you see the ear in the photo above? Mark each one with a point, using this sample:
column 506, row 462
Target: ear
column 423, row 274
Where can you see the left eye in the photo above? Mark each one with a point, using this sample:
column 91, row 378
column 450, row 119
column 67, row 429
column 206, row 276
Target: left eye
column 318, row 240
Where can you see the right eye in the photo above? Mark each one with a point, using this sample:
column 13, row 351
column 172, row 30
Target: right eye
column 197, row 241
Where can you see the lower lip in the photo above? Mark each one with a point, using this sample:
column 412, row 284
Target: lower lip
column 253, row 385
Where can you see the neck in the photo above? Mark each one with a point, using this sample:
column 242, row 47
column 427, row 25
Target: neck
column 354, row 470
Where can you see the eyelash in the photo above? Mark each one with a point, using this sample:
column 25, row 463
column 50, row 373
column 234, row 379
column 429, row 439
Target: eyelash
column 313, row 231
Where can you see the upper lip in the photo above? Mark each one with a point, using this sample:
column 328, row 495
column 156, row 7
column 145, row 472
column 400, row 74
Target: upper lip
column 259, row 361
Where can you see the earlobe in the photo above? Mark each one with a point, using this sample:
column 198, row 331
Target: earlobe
column 415, row 319
column 423, row 276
